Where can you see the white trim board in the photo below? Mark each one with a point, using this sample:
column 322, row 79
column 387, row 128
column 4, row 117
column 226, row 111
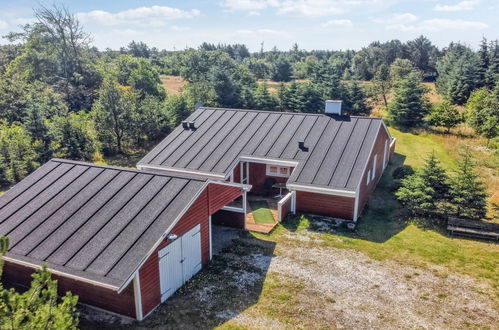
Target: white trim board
column 320, row 190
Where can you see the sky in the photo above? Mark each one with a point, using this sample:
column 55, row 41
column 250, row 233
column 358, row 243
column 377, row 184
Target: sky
column 312, row 24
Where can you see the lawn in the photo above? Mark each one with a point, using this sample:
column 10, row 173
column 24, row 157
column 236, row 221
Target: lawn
column 388, row 273
column 261, row 212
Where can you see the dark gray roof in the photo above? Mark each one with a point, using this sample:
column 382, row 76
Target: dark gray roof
column 338, row 146
column 91, row 221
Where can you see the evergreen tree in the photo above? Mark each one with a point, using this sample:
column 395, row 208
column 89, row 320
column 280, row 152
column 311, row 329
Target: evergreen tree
column 282, row 70
column 426, row 191
column 492, row 74
column 409, row 105
column 483, row 54
column 17, row 153
column 38, row 307
column 262, row 98
column 445, row 115
column 468, row 194
column 177, row 109
column 355, row 100
column 74, row 136
column 459, row 73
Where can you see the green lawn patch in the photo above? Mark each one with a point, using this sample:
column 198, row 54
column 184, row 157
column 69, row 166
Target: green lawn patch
column 261, row 212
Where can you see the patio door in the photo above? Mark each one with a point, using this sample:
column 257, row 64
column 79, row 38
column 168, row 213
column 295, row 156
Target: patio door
column 179, row 261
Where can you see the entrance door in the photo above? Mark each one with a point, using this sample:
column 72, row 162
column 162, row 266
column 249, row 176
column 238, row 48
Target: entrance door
column 191, row 252
column 179, row 261
column 170, row 270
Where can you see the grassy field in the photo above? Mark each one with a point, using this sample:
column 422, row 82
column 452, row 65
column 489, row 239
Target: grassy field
column 389, row 272
column 172, row 84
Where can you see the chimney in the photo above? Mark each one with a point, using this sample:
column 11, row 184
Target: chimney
column 301, row 146
column 333, row 107
column 185, row 124
column 192, row 125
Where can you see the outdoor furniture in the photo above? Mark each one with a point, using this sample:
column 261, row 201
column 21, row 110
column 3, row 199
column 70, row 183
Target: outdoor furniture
column 473, row 228
column 280, row 186
column 268, row 186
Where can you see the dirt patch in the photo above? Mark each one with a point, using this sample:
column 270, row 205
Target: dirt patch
column 173, row 84
column 298, row 283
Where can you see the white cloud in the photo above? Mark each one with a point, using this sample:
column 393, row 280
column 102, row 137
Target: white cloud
column 397, row 19
column 338, row 23
column 147, row 16
column 3, row 24
column 180, row 28
column 437, row 25
column 251, row 5
column 307, row 8
column 460, row 6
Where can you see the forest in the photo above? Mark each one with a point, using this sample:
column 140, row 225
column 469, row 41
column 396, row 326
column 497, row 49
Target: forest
column 62, row 97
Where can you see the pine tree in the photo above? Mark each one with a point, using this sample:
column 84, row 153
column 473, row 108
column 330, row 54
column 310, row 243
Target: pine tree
column 38, row 307
column 409, row 105
column 355, row 98
column 483, row 54
column 492, row 74
column 427, row 190
column 468, row 194
column 263, row 99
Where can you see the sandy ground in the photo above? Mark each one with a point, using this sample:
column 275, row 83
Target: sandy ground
column 299, row 283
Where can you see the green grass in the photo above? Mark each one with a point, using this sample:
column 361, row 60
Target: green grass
column 261, row 212
column 383, row 231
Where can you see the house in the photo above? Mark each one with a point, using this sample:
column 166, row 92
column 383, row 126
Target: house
column 125, row 240
column 122, row 240
column 328, row 163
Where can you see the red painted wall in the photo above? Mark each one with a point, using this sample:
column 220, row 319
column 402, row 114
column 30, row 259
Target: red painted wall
column 123, row 303
column 327, row 205
column 365, row 190
column 211, row 200
column 258, row 176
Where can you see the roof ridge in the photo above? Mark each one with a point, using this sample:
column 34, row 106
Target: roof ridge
column 126, row 169
column 290, row 113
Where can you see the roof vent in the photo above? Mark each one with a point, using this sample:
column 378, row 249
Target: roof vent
column 185, row 124
column 301, row 145
column 192, row 125
column 333, row 107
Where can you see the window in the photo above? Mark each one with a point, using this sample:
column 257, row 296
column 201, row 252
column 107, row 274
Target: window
column 274, row 170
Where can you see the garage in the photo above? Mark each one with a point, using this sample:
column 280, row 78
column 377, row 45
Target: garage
column 179, row 261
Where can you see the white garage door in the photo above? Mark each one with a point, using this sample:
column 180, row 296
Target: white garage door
column 179, row 261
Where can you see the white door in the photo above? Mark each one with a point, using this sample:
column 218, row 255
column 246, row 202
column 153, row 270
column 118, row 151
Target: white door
column 179, row 261
column 191, row 252
column 170, row 269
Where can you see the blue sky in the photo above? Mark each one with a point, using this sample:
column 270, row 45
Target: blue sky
column 313, row 24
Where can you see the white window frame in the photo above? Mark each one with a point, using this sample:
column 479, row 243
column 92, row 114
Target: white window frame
column 375, row 162
column 368, row 177
column 278, row 174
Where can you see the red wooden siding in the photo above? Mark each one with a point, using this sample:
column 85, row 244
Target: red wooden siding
column 365, row 190
column 228, row 219
column 211, row 200
column 123, row 303
column 327, row 205
column 257, row 176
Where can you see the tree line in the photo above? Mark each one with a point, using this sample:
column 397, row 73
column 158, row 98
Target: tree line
column 62, row 97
